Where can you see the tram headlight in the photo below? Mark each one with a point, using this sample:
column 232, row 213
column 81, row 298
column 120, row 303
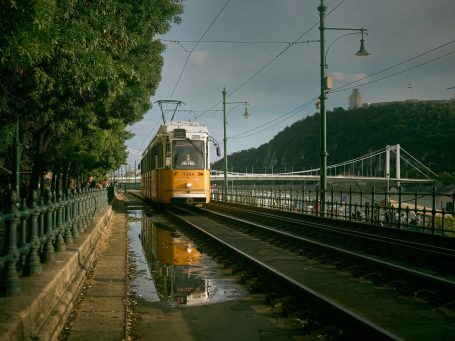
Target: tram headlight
column 188, row 185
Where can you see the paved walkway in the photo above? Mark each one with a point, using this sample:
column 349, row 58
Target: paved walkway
column 100, row 312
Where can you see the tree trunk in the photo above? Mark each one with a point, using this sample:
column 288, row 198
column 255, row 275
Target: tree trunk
column 42, row 143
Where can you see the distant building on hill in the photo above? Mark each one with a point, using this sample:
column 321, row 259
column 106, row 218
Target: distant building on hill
column 355, row 99
column 435, row 101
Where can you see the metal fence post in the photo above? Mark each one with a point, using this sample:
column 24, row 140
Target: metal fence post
column 373, row 206
column 59, row 229
column 73, row 220
column 433, row 211
column 399, row 207
column 85, row 208
column 80, row 225
column 49, row 230
column 33, row 264
column 350, row 202
column 22, row 240
column 66, row 217
column 11, row 282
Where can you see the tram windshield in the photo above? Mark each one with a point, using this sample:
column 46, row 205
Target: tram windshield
column 188, row 154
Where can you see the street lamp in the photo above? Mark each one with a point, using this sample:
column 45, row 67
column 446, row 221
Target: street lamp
column 325, row 85
column 246, row 115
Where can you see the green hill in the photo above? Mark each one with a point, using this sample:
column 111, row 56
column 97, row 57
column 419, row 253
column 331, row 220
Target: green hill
column 425, row 129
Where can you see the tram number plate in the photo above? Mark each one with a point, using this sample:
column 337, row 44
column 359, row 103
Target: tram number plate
column 188, row 173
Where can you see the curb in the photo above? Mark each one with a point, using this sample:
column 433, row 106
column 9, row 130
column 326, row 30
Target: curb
column 40, row 311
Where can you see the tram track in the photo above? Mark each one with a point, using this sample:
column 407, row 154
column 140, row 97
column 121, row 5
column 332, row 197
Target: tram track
column 431, row 260
column 250, row 240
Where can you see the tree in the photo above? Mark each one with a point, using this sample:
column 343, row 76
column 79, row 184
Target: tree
column 425, row 129
column 95, row 73
column 27, row 37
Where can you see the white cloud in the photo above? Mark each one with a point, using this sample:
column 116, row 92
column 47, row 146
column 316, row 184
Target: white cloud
column 344, row 78
column 199, row 57
column 275, row 81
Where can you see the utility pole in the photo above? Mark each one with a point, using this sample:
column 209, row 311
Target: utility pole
column 326, row 85
column 225, row 147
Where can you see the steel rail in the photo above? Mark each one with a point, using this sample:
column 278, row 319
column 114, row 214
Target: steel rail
column 432, row 250
column 362, row 326
column 441, row 282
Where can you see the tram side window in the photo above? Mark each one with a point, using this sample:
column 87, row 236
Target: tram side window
column 157, row 156
column 188, row 154
column 153, row 158
column 168, row 154
column 145, row 166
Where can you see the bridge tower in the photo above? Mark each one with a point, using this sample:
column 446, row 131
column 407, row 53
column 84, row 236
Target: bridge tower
column 396, row 149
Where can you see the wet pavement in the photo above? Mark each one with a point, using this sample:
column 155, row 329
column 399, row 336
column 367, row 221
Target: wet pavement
column 99, row 314
column 168, row 266
column 176, row 292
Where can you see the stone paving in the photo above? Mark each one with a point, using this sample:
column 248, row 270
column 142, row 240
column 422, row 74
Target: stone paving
column 100, row 312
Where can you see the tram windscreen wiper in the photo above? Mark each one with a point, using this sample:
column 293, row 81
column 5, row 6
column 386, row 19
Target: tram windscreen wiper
column 195, row 146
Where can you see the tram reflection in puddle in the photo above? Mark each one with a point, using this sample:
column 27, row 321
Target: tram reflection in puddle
column 174, row 263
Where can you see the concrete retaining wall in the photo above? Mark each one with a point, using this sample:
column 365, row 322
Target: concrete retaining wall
column 41, row 310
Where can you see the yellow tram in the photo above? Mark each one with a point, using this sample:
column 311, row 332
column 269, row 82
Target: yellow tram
column 175, row 165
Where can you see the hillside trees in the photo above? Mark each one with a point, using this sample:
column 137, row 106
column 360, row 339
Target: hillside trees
column 88, row 72
column 425, row 129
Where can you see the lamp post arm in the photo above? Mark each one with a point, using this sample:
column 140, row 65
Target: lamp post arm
column 225, row 162
column 362, row 30
column 235, row 107
column 328, row 48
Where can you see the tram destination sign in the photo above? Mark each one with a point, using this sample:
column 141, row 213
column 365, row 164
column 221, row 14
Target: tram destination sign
column 180, row 133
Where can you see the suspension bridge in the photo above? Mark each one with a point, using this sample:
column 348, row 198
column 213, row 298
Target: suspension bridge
column 391, row 165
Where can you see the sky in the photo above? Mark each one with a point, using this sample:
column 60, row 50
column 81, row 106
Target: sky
column 267, row 53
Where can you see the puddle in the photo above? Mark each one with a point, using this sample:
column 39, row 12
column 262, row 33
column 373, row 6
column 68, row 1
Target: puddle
column 170, row 268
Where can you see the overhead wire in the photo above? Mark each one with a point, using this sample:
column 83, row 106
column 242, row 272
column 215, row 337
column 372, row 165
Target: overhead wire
column 178, row 42
column 396, row 73
column 341, row 88
column 258, row 71
column 283, row 51
column 269, row 62
column 290, row 44
column 284, row 117
column 188, row 58
column 195, row 46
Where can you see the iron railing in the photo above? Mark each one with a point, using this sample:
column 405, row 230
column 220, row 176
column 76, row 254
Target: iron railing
column 429, row 211
column 31, row 234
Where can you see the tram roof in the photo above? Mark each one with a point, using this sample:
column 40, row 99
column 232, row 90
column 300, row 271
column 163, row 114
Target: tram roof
column 190, row 127
column 169, row 127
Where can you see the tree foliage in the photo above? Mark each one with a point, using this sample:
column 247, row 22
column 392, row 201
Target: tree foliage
column 76, row 73
column 425, row 129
